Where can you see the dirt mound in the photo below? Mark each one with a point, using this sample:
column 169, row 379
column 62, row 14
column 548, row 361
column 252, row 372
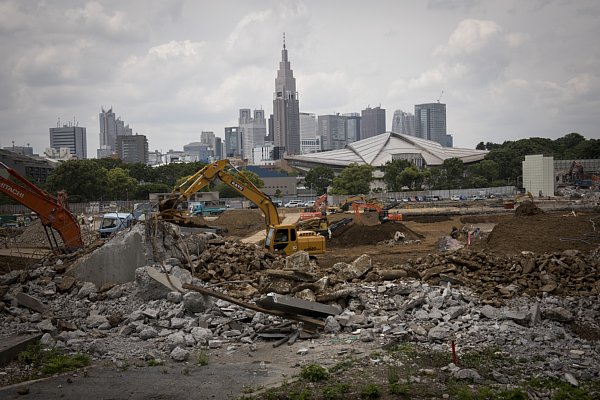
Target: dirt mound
column 359, row 234
column 544, row 233
column 240, row 223
column 527, row 209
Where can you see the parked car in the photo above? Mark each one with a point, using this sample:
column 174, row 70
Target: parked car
column 455, row 197
column 278, row 203
column 309, row 203
column 293, row 204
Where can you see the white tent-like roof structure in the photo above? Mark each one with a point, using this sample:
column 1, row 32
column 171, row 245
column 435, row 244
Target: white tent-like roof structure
column 380, row 149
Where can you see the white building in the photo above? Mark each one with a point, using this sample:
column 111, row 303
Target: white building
column 538, row 175
column 60, row 154
column 72, row 137
column 309, row 133
column 263, row 155
column 253, row 130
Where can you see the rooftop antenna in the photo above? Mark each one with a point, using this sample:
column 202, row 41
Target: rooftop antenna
column 58, row 123
column 439, row 98
column 284, row 40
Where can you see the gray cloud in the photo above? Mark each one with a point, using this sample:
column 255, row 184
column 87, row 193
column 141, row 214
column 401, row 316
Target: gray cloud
column 174, row 68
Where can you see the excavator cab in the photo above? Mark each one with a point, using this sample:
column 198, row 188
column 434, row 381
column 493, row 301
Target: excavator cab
column 285, row 239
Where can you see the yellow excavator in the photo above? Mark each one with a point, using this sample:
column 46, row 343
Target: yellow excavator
column 281, row 239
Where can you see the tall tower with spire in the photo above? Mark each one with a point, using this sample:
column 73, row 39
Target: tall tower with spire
column 286, row 109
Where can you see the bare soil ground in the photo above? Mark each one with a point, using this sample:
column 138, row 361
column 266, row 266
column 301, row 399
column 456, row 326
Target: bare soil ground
column 540, row 233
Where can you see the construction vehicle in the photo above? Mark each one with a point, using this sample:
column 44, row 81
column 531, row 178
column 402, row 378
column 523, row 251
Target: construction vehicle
column 348, row 201
column 206, row 209
column 518, row 199
column 51, row 210
column 318, row 209
column 382, row 212
column 281, row 239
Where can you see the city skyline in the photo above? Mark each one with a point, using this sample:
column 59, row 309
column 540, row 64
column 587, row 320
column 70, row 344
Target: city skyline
column 177, row 68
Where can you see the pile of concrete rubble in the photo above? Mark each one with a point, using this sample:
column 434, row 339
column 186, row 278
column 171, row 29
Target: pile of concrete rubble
column 496, row 278
column 152, row 317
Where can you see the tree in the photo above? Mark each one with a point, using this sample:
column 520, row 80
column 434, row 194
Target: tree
column 120, row 184
column 253, row 177
column 140, row 172
column 109, row 163
column 170, row 173
column 354, row 179
column 392, row 171
column 486, row 169
column 411, row 177
column 83, row 180
column 319, row 178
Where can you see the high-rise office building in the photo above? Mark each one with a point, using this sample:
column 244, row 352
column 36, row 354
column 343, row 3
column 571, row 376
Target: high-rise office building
column 430, row 123
column 310, row 142
column 286, row 109
column 353, row 122
column 332, row 130
column 372, row 122
column 218, row 149
column 233, row 142
column 199, row 151
column 403, row 122
column 108, row 133
column 253, row 130
column 110, row 128
column 132, row 148
column 208, row 138
column 72, row 137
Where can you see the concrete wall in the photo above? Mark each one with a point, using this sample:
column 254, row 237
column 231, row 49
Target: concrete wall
column 116, row 261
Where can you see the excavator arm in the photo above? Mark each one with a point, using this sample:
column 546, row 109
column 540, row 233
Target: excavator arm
column 221, row 169
column 50, row 210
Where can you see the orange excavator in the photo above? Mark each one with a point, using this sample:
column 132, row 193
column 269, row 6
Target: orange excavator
column 318, row 209
column 51, row 210
column 382, row 212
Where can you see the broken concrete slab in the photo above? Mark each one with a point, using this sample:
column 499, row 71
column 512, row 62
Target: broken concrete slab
column 11, row 346
column 153, row 284
column 292, row 305
column 31, row 302
column 116, row 261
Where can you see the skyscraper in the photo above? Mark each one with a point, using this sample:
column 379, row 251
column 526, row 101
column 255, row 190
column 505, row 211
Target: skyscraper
column 286, row 109
column 253, row 130
column 309, row 141
column 110, row 128
column 403, row 122
column 233, row 142
column 430, row 123
column 132, row 148
column 372, row 122
column 332, row 129
column 72, row 137
column 108, row 133
column 208, row 138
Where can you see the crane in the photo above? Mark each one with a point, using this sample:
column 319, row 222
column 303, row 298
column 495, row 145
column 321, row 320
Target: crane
column 51, row 210
column 440, row 98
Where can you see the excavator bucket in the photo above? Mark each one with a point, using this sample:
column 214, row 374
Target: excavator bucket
column 167, row 204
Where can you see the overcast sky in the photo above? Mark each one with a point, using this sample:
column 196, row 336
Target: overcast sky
column 509, row 69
